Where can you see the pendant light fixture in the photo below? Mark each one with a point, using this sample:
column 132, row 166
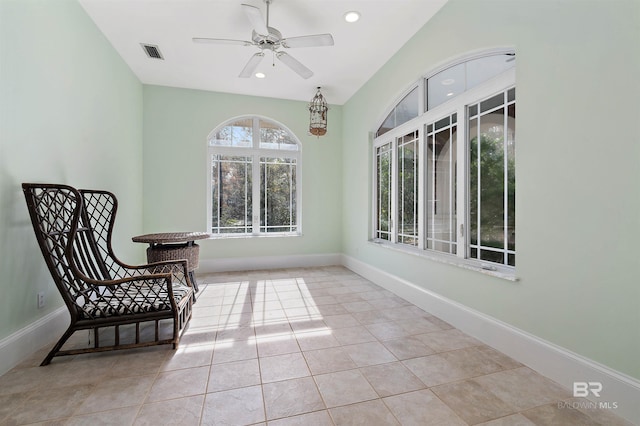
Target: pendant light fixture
column 318, row 115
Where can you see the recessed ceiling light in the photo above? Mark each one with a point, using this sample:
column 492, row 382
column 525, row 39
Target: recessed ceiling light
column 448, row 81
column 260, row 75
column 352, row 16
column 450, row 94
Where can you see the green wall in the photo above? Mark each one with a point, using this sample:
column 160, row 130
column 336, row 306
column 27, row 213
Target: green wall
column 70, row 112
column 176, row 125
column 577, row 162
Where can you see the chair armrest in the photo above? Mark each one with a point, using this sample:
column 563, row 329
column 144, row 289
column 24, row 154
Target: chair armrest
column 176, row 268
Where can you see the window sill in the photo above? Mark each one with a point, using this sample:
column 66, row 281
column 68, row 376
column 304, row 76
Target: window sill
column 505, row 273
column 250, row 236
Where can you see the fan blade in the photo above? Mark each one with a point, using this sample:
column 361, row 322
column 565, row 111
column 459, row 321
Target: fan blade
column 294, row 64
column 251, row 65
column 221, row 41
column 308, row 41
column 256, row 19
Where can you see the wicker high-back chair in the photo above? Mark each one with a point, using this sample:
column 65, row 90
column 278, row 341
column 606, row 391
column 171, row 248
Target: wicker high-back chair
column 74, row 229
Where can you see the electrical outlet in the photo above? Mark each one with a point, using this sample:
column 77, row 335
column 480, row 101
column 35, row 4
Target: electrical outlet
column 41, row 300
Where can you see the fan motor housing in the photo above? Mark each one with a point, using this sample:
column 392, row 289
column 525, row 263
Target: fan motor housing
column 270, row 41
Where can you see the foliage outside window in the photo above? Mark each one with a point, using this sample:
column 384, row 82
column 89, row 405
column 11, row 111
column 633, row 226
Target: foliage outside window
column 492, row 185
column 254, row 179
column 383, row 192
column 408, row 189
column 444, row 180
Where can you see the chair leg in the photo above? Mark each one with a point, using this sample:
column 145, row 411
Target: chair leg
column 192, row 277
column 58, row 346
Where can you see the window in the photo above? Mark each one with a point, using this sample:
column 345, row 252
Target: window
column 254, row 179
column 383, row 199
column 492, row 185
column 440, row 184
column 406, row 109
column 444, row 179
column 408, row 188
column 464, row 76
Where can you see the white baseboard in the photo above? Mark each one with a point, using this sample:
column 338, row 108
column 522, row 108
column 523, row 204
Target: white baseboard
column 21, row 344
column 554, row 362
column 267, row 262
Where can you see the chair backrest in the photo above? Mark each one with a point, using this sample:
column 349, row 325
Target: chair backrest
column 99, row 213
column 66, row 241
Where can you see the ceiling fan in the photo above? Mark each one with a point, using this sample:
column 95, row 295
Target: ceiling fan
column 265, row 37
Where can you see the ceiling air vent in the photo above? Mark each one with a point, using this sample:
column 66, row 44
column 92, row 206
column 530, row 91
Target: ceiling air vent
column 152, row 51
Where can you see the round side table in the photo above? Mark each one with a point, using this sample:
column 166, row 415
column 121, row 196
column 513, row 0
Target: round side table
column 174, row 246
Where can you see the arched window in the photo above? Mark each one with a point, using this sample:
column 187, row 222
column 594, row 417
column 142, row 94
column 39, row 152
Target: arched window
column 444, row 164
column 254, row 178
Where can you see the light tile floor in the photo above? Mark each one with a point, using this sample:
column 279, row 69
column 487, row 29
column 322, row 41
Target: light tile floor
column 310, row 346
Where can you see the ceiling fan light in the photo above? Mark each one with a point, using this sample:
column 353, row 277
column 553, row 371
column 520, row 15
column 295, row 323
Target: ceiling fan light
column 352, row 16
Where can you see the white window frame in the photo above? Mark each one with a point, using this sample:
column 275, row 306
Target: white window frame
column 458, row 105
column 255, row 152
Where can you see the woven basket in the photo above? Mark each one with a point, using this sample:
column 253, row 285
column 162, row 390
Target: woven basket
column 176, row 252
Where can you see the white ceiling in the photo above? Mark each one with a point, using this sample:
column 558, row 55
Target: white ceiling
column 360, row 48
